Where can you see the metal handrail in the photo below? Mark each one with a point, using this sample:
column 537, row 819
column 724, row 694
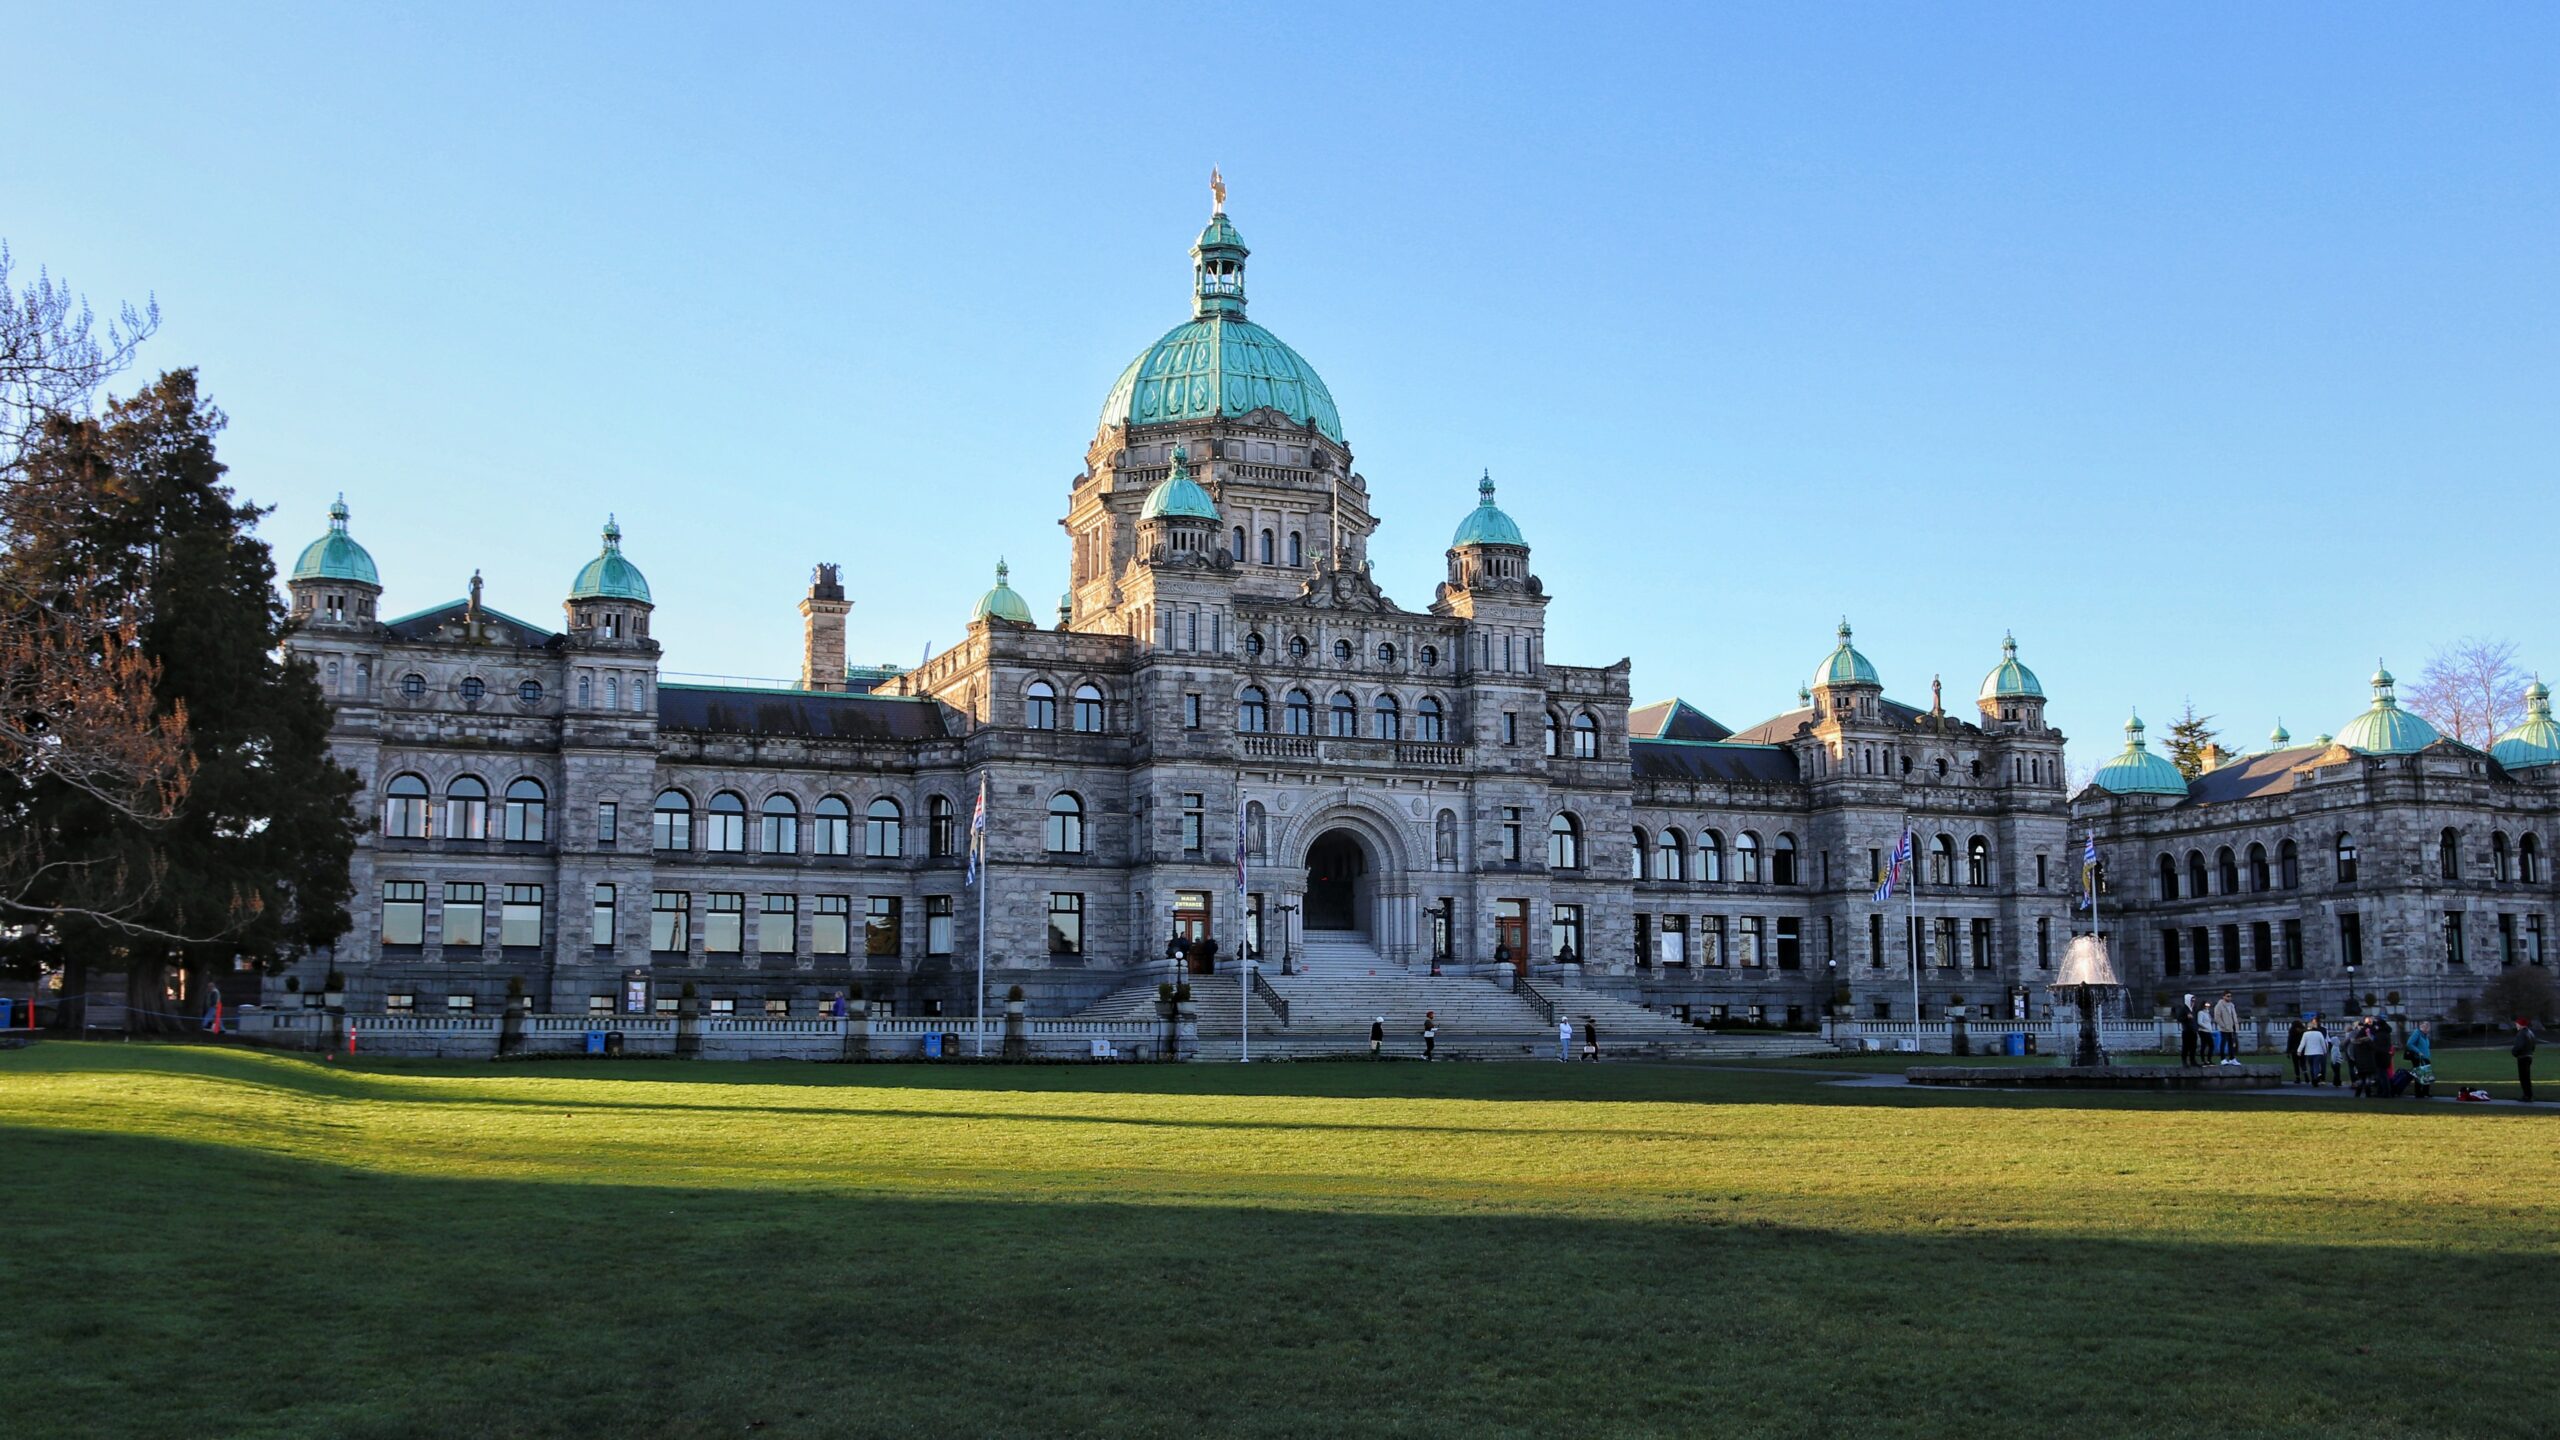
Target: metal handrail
column 1273, row 998
column 1536, row 997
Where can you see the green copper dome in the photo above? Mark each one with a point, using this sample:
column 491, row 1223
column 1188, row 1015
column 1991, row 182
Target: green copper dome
column 2385, row 728
column 1218, row 364
column 1486, row 524
column 1002, row 603
column 336, row 555
column 609, row 576
column 1846, row 666
column 2537, row 740
column 2136, row 771
column 2279, row 738
column 1178, row 496
column 2010, row 680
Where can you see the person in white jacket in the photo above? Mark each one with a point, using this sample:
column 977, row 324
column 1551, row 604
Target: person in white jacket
column 2208, row 1035
column 1564, row 1037
column 2311, row 1055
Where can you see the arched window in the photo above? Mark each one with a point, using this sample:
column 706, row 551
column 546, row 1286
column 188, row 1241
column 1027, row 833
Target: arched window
column 1257, row 830
column 1554, row 735
column 404, row 808
column 1387, row 719
column 1346, row 714
column 1297, row 647
column 2449, row 854
column 1444, row 840
column 778, row 832
column 1297, row 547
column 2346, row 859
column 1253, row 645
column 466, row 809
column 1301, row 713
column 1267, row 556
column 2197, row 885
column 1386, row 653
column 612, row 692
column 1428, row 723
column 1564, row 842
column 586, row 690
column 528, row 811
column 1089, row 709
column 1782, row 860
column 1040, row 706
column 833, row 830
column 2226, row 868
column 1942, row 860
column 2501, row 869
column 1586, row 736
column 725, row 830
column 2168, row 878
column 1253, row 710
column 1636, row 856
column 2289, row 866
column 1710, row 856
column 1746, row 857
column 1064, row 832
column 671, row 822
column 1236, row 544
column 1671, row 856
column 1977, row 861
column 1341, row 652
column 940, row 836
column 2258, row 877
column 884, row 830
column 2529, row 859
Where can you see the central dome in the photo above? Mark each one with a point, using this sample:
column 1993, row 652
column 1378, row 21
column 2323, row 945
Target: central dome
column 1218, row 365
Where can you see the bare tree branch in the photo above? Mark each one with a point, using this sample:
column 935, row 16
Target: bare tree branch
column 2471, row 691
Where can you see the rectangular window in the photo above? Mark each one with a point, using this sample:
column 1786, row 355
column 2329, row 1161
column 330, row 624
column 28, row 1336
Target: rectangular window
column 1875, row 940
column 777, row 1007
column 608, row 824
column 2231, row 949
column 1190, row 712
column 520, row 919
column 670, row 921
column 399, row 1004
column 880, row 926
column 831, row 928
column 466, row 916
column 778, row 925
column 2351, row 938
column 2168, row 949
column 2039, row 870
column 458, row 1004
column 1564, row 932
column 1981, row 943
column 1671, row 940
column 2453, row 953
column 1790, row 943
column 600, row 917
column 1510, row 727
column 1747, row 943
column 724, row 1006
column 2293, row 944
column 1644, row 938
column 1944, row 941
column 724, row 929
column 599, row 1004
column 1194, row 825
column 1066, row 924
column 2200, row 950
column 404, row 912
column 1511, row 834
column 2262, row 945
column 937, row 924
column 1875, row 866
column 2044, row 943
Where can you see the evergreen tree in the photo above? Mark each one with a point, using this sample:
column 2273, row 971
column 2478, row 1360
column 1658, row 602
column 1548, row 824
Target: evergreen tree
column 254, row 866
column 2189, row 734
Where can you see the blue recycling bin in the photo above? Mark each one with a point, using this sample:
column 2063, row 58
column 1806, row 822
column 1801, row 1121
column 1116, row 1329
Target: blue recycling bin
column 5, row 1015
column 2017, row 1042
column 933, row 1044
column 595, row 1042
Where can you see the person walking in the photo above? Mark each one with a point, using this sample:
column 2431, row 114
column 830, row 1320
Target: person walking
column 2293, row 1047
column 1377, row 1036
column 2226, row 1018
column 2190, row 1032
column 2311, row 1053
column 1564, row 1037
column 1430, row 1033
column 2526, row 1041
column 2208, row 1039
column 1590, row 1039
column 2338, row 1057
column 2420, row 1047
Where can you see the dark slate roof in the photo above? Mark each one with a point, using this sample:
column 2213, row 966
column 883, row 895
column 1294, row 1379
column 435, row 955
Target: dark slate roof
column 806, row 714
column 2251, row 776
column 1701, row 760
column 496, row 626
column 1674, row 720
column 1784, row 727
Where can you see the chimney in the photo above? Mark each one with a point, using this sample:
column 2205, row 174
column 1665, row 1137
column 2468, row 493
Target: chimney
column 2214, row 756
column 822, row 631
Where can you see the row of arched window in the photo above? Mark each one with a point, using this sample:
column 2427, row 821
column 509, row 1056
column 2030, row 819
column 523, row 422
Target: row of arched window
column 1341, row 716
column 1087, row 712
column 409, row 810
column 1269, row 550
column 2232, row 871
column 1667, row 855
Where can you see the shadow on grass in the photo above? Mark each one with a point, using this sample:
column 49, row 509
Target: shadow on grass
column 188, row 1289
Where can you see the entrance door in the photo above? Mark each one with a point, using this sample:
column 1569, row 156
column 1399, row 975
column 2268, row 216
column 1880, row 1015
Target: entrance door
column 1334, row 866
column 1511, row 931
column 1191, row 922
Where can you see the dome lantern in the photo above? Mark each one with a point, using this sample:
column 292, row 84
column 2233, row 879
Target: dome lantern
column 1217, row 260
column 336, row 555
column 609, row 576
column 1002, row 602
column 1845, row 666
column 2010, row 680
column 1486, row 524
column 2136, row 771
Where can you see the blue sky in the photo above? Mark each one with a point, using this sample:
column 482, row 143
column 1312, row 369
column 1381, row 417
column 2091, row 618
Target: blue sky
column 2212, row 348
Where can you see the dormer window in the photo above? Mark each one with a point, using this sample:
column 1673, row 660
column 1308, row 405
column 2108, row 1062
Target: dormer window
column 612, row 625
column 338, row 607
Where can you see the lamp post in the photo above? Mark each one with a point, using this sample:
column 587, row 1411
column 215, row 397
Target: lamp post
column 1447, row 910
column 1287, row 910
column 1830, row 997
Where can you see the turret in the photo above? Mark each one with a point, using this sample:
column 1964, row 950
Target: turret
column 608, row 604
column 2011, row 694
column 822, row 613
column 1845, row 686
column 1178, row 525
column 334, row 583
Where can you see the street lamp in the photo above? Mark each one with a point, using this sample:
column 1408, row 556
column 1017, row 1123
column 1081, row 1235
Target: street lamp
column 1447, row 910
column 1286, row 911
column 1830, row 995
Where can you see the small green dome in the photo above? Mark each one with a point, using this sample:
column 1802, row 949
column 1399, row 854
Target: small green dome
column 2385, row 728
column 1002, row 603
column 1486, row 524
column 336, row 555
column 1218, row 364
column 1178, row 496
column 609, row 576
column 2011, row 680
column 2279, row 738
column 1845, row 666
column 2136, row 771
column 2537, row 740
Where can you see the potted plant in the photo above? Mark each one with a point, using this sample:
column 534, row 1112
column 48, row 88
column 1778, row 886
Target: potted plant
column 1013, row 1000
column 334, row 991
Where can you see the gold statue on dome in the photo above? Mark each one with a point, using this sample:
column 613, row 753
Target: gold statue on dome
column 1218, row 190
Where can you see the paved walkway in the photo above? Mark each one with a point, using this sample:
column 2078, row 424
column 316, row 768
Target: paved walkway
column 1892, row 1081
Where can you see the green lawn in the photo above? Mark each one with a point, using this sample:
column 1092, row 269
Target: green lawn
column 214, row 1242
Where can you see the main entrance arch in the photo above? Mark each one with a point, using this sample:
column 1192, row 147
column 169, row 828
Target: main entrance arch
column 1339, row 884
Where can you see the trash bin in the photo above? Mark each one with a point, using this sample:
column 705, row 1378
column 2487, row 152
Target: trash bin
column 2030, row 1038
column 932, row 1045
column 2017, row 1042
column 4, row 1015
column 595, row 1042
column 613, row 1042
column 950, row 1044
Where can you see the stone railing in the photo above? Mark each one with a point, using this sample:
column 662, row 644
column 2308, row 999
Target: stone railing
column 1354, row 750
column 710, row 1037
column 2057, row 1036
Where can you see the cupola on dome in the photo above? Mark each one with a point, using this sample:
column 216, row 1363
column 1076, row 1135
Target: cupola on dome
column 2384, row 728
column 609, row 576
column 336, row 555
column 1002, row 602
column 2010, row 680
column 2136, row 771
column 2537, row 740
column 1486, row 524
column 1219, row 365
column 1845, row 666
column 1177, row 495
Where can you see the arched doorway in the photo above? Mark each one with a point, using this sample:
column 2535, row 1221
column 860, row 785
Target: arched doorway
column 1337, row 881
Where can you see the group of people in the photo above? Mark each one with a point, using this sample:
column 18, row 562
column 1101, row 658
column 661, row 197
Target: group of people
column 1431, row 1037
column 2208, row 1034
column 2364, row 1056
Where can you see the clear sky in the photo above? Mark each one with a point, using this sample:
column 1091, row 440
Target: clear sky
column 2212, row 348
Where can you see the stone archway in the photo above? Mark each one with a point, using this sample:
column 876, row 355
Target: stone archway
column 1340, row 884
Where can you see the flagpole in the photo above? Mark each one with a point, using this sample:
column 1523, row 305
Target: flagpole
column 986, row 877
column 1244, row 952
